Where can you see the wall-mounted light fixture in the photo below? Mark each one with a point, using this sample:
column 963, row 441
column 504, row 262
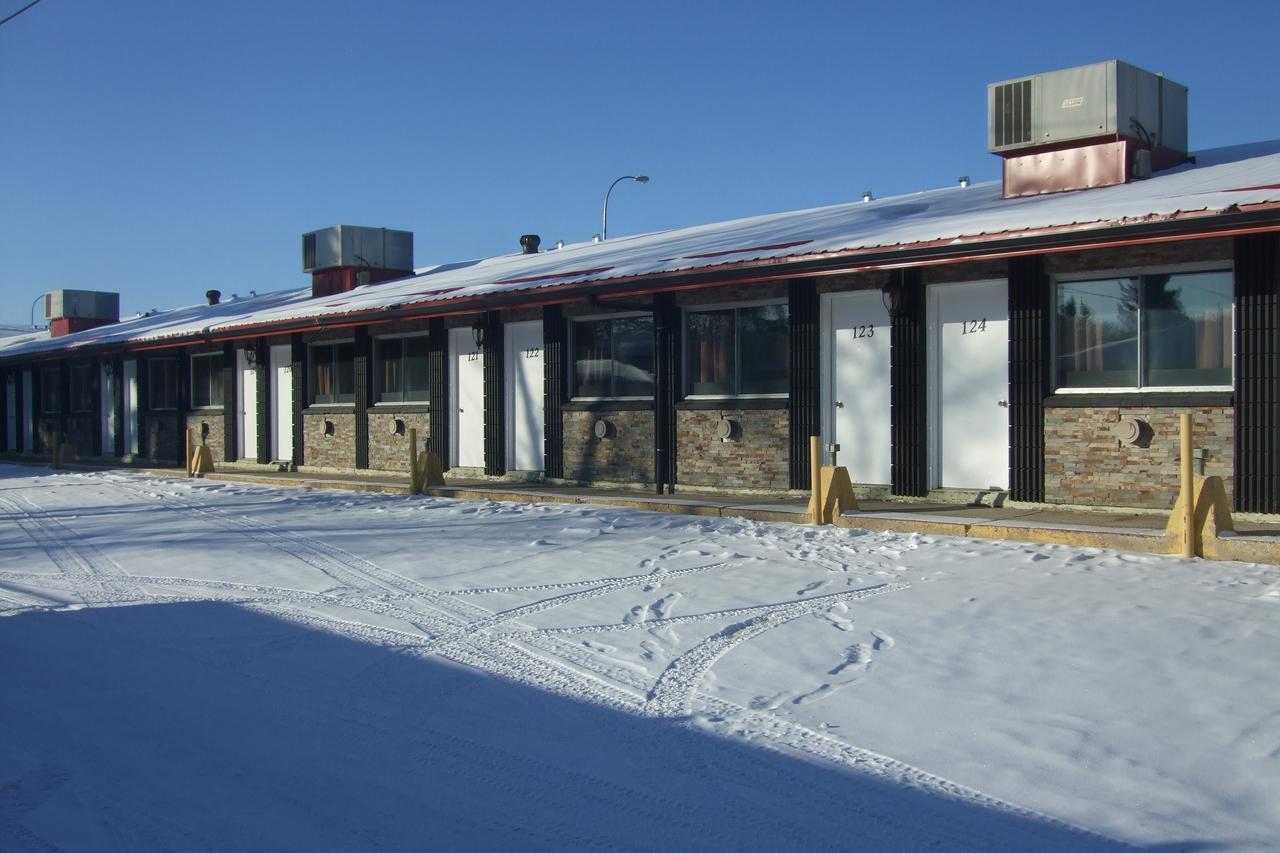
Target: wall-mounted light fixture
column 251, row 356
column 480, row 331
column 892, row 294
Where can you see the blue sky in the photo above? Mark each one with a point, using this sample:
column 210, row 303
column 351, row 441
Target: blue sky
column 161, row 149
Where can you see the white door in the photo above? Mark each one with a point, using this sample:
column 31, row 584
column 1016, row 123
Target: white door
column 129, row 388
column 282, row 403
column 107, row 384
column 524, row 396
column 11, row 406
column 969, row 384
column 857, row 371
column 28, row 414
column 466, row 392
column 247, row 407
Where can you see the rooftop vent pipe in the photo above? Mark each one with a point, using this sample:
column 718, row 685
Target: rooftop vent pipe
column 213, row 296
column 529, row 243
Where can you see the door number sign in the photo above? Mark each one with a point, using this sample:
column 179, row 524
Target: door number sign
column 972, row 327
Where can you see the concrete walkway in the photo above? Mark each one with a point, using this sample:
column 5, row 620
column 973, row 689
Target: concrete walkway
column 1252, row 540
column 1255, row 541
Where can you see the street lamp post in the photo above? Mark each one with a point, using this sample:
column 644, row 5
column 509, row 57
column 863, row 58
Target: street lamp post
column 604, row 222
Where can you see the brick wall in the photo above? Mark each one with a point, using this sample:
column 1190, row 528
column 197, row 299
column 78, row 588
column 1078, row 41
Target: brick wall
column 322, row 450
column 624, row 457
column 208, row 427
column 389, row 450
column 1086, row 464
column 756, row 459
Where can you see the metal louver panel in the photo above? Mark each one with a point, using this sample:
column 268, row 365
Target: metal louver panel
column 908, row 396
column 438, row 390
column 1257, row 370
column 1012, row 114
column 495, row 435
column 1029, row 312
column 553, row 390
column 362, row 367
column 666, row 330
column 805, row 375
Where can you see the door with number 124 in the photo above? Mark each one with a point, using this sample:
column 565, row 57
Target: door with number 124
column 969, row 384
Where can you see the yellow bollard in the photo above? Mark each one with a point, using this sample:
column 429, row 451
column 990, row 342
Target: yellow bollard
column 815, row 479
column 1187, row 491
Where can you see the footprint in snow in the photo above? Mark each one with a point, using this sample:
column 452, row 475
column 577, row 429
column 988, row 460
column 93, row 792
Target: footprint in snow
column 883, row 641
column 810, row 587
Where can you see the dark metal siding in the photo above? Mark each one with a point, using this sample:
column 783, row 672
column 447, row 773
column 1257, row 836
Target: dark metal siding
column 804, row 416
column 230, row 403
column 495, row 433
column 118, row 402
column 554, row 336
column 1257, row 370
column 363, row 368
column 1029, row 353
column 298, row 373
column 666, row 330
column 908, row 398
column 438, row 384
column 24, row 416
column 262, row 359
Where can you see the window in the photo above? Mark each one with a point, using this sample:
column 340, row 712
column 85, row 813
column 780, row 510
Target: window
column 737, row 352
column 162, row 383
column 1164, row 330
column 402, row 370
column 50, row 390
column 613, row 357
column 206, row 381
column 333, row 375
column 82, row 389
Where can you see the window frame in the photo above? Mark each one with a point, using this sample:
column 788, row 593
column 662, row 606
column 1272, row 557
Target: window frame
column 400, row 400
column 571, row 363
column 48, row 388
column 86, row 371
column 192, row 391
column 313, row 363
column 175, row 391
column 737, row 348
column 1225, row 266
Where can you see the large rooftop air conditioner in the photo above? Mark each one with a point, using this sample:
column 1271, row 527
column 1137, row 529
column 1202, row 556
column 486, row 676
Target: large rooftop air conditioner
column 1106, row 100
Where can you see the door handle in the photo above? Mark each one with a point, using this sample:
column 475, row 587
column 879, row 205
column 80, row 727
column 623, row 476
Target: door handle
column 1004, row 404
column 839, row 404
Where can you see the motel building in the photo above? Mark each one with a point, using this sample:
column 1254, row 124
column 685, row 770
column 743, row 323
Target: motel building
column 1034, row 338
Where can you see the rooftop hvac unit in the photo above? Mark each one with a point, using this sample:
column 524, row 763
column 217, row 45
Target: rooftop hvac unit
column 357, row 246
column 82, row 305
column 1106, row 100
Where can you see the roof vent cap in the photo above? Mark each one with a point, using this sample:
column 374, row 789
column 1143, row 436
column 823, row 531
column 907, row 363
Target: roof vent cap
column 529, row 243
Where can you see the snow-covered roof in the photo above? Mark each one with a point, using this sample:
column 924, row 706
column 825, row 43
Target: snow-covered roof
column 1222, row 180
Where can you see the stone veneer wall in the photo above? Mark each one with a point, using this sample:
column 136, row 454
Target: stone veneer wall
column 756, row 459
column 1085, row 464
column 161, row 440
column 624, row 457
column 329, row 451
column 388, row 450
column 215, row 439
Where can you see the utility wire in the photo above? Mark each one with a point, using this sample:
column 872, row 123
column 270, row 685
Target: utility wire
column 19, row 12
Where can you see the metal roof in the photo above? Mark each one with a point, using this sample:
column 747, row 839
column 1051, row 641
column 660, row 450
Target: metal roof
column 951, row 221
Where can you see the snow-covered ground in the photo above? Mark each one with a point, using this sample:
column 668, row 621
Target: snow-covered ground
column 192, row 666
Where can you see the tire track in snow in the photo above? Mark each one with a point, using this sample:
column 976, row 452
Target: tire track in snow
column 78, row 560
column 817, row 602
column 347, row 569
column 674, row 690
